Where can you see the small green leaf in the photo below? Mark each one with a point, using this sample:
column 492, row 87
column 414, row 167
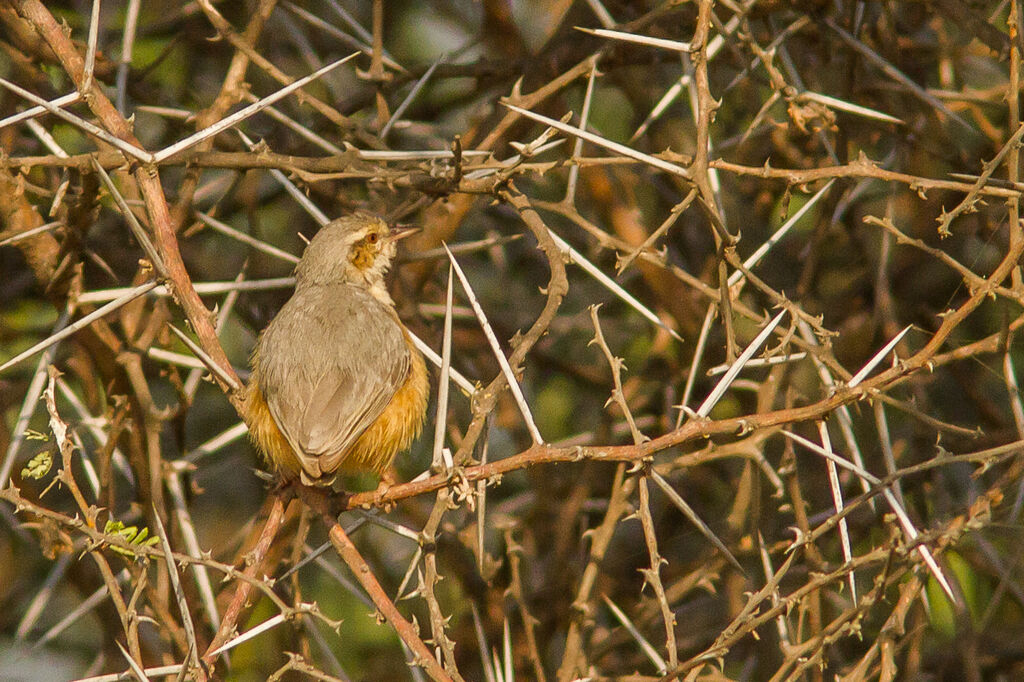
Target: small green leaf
column 32, row 434
column 38, row 466
column 130, row 534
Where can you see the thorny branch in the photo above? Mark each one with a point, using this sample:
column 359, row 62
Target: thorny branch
column 740, row 107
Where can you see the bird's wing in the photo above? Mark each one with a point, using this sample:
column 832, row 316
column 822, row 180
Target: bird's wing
column 349, row 360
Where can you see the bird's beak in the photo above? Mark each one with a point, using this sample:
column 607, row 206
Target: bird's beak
column 401, row 232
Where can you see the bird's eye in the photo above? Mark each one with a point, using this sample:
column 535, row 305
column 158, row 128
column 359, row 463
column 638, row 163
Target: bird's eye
column 372, row 237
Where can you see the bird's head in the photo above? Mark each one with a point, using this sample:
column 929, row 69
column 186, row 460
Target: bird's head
column 355, row 249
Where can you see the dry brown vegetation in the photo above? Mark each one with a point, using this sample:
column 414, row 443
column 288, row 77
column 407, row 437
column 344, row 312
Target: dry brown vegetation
column 731, row 333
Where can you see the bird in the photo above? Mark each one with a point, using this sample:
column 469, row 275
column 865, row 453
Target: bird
column 337, row 386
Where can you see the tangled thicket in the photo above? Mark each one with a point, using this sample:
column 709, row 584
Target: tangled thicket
column 753, row 265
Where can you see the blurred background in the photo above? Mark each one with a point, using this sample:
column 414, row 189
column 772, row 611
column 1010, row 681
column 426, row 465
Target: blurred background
column 662, row 145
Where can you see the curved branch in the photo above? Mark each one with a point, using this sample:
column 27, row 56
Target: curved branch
column 148, row 178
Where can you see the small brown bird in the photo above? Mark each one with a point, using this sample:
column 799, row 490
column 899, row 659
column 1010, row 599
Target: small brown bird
column 337, row 385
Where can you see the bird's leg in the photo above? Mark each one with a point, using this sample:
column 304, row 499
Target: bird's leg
column 388, row 478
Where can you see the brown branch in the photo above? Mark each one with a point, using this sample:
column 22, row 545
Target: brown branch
column 431, row 577
column 254, row 560
column 514, row 552
column 706, row 107
column 693, row 430
column 242, row 44
column 364, row 574
column 148, row 178
column 574, row 659
column 355, row 168
column 231, row 92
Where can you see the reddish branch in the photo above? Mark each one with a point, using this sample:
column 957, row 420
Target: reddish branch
column 254, row 570
column 364, row 574
column 147, row 176
column 350, row 167
column 690, row 431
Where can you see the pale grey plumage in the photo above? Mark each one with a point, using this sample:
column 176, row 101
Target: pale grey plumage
column 321, row 401
column 337, row 385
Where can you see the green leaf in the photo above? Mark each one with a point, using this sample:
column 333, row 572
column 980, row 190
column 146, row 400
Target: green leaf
column 39, row 465
column 130, row 534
